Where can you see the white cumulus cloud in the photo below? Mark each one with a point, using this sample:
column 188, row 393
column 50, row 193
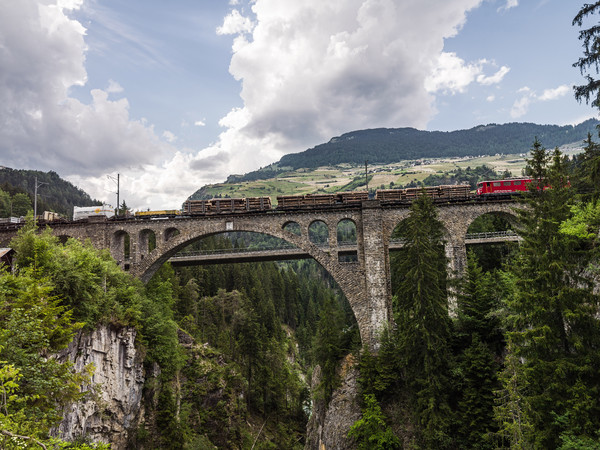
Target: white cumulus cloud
column 42, row 54
column 509, row 4
column 309, row 70
column 552, row 94
column 235, row 23
column 493, row 79
column 453, row 75
column 114, row 87
column 169, row 136
column 528, row 97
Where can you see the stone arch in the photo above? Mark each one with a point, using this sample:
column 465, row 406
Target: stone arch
column 393, row 238
column 181, row 240
column 120, row 247
column 346, row 232
column 170, row 233
column 508, row 217
column 318, row 233
column 146, row 242
column 491, row 238
column 293, row 227
column 349, row 279
column 457, row 220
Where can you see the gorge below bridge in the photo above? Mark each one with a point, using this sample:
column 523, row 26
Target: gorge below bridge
column 364, row 278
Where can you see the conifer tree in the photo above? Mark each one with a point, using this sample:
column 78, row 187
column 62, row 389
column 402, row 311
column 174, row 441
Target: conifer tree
column 371, row 431
column 552, row 321
column 591, row 55
column 479, row 341
column 587, row 180
column 328, row 347
column 423, row 324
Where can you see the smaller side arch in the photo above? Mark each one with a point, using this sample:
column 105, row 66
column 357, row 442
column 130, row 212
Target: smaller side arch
column 318, row 233
column 346, row 232
column 170, row 233
column 120, row 248
column 146, row 242
column 292, row 227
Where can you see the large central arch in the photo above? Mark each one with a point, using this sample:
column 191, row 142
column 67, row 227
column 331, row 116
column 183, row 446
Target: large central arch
column 349, row 276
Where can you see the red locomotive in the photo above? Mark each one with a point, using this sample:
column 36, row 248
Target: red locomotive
column 499, row 187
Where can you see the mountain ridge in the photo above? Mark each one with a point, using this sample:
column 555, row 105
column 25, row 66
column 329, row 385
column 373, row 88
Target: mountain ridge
column 389, row 145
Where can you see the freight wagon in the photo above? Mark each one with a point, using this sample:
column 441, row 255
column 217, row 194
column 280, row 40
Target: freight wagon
column 320, row 200
column 85, row 212
column 226, row 205
column 438, row 193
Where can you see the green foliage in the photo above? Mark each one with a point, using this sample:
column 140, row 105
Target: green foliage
column 513, row 410
column 328, row 348
column 167, row 420
column 587, row 170
column 89, row 281
column 478, row 343
column 159, row 329
column 5, row 204
column 569, row 442
column 267, row 323
column 33, row 327
column 423, row 324
column 552, row 324
column 21, row 204
column 371, row 431
column 583, row 222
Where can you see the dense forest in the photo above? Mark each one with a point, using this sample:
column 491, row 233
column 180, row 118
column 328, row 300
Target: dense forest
column 17, row 188
column 390, row 145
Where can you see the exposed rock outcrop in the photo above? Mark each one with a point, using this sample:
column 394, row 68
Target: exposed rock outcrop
column 113, row 404
column 329, row 424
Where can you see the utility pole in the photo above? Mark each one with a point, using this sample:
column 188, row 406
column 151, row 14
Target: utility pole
column 366, row 175
column 118, row 176
column 117, row 181
column 37, row 185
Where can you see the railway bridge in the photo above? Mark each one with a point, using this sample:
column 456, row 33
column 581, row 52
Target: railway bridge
column 364, row 278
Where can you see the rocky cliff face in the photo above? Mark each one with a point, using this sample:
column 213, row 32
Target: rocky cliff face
column 113, row 405
column 329, row 424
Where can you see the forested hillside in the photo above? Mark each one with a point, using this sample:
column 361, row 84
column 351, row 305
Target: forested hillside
column 17, row 189
column 389, row 145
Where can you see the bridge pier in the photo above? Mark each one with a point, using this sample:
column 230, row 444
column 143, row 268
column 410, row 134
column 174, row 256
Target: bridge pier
column 376, row 263
column 456, row 252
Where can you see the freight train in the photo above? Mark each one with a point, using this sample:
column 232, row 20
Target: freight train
column 441, row 194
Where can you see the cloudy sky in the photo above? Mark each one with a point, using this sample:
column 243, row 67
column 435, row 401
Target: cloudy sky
column 175, row 95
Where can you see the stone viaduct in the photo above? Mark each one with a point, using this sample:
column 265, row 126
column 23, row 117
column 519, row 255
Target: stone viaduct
column 365, row 280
